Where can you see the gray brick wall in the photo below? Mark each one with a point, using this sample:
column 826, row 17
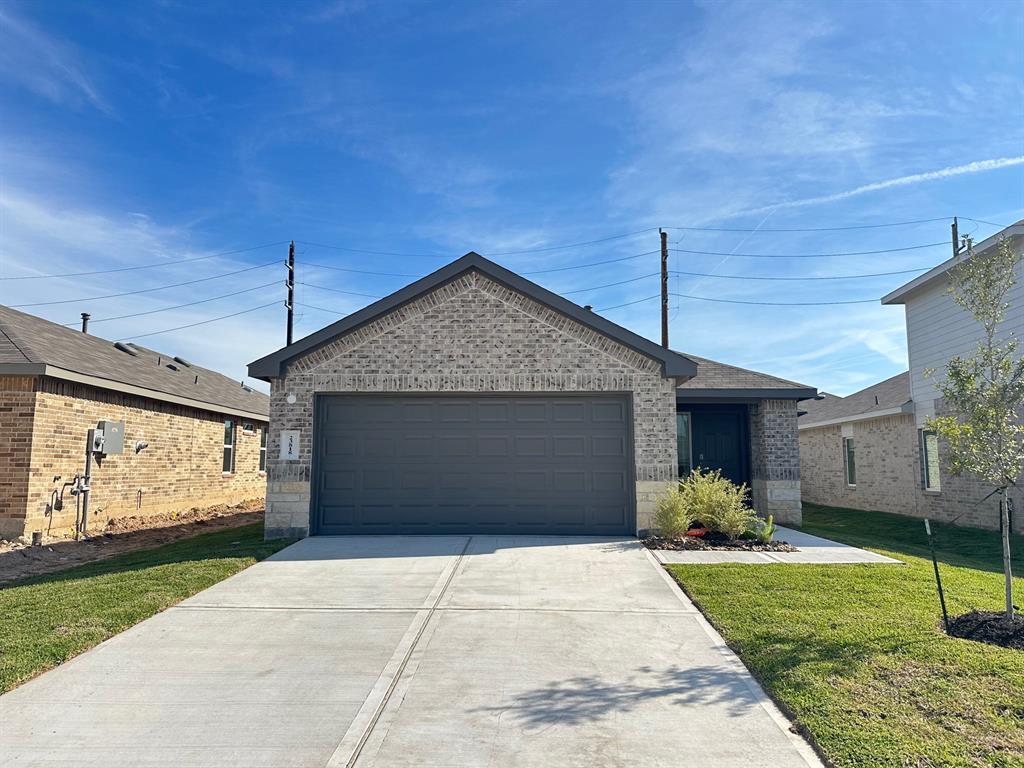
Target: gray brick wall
column 471, row 335
column 775, row 460
column 888, row 462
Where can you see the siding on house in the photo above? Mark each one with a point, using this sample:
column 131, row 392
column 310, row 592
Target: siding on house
column 938, row 329
column 47, row 419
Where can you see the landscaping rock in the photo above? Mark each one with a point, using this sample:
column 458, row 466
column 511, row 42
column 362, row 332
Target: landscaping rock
column 713, row 540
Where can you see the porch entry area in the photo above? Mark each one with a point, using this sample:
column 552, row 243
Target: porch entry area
column 714, row 437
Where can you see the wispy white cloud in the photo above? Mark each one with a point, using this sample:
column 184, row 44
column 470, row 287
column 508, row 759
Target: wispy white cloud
column 45, row 65
column 979, row 166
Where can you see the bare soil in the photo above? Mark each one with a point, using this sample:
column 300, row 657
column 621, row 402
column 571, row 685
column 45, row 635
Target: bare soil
column 125, row 534
column 713, row 540
column 989, row 627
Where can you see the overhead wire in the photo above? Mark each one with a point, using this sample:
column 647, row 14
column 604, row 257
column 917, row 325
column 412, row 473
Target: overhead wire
column 142, row 290
column 810, row 255
column 146, row 266
column 177, row 306
column 812, row 229
column 201, row 322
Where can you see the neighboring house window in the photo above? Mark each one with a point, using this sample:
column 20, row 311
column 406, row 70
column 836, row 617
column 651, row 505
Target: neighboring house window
column 248, row 428
column 684, row 446
column 263, row 449
column 929, row 460
column 229, row 445
column 849, row 460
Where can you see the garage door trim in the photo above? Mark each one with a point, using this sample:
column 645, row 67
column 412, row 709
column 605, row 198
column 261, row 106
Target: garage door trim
column 320, row 399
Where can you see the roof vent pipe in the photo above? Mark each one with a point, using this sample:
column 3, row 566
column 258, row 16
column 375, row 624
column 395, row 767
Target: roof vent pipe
column 588, row 308
column 85, row 322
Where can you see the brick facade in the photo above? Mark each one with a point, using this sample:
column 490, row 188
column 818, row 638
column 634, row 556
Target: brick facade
column 470, row 335
column 888, row 463
column 44, row 423
column 775, row 460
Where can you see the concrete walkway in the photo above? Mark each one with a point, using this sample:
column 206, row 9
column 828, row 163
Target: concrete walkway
column 429, row 651
column 810, row 549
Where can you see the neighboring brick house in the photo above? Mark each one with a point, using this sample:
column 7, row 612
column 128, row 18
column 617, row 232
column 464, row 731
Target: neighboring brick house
column 204, row 433
column 879, row 435
column 476, row 401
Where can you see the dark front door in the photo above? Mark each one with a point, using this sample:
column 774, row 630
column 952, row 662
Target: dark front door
column 548, row 464
column 718, row 443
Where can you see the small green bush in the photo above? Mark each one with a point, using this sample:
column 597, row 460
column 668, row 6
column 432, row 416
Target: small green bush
column 766, row 530
column 716, row 502
column 671, row 515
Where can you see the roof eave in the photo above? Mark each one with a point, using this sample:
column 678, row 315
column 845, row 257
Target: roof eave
column 54, row 372
column 899, row 295
column 747, row 393
column 673, row 364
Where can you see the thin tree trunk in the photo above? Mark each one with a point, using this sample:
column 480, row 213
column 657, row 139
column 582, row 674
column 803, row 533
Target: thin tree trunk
column 1004, row 514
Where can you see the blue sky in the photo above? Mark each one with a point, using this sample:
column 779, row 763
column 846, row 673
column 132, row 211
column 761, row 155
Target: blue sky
column 134, row 133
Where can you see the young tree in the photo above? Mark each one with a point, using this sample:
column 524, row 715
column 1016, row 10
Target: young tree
column 985, row 392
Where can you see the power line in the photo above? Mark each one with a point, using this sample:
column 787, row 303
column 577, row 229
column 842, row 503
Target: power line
column 545, row 249
column 144, row 290
column 990, row 223
column 812, row 229
column 590, row 264
column 609, row 285
column 825, row 277
column 201, row 322
column 359, row 271
column 810, row 255
column 338, row 290
column 631, row 303
column 778, row 303
column 321, row 309
column 146, row 266
column 177, row 306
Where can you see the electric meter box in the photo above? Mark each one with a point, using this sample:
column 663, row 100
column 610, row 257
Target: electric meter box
column 113, row 436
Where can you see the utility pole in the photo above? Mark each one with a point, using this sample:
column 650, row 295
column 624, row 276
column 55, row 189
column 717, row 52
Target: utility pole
column 290, row 284
column 664, row 287
column 956, row 237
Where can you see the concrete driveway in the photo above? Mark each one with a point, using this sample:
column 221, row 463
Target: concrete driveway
column 412, row 651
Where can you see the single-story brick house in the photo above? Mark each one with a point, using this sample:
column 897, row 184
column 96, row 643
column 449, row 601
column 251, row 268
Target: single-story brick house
column 476, row 401
column 867, row 451
column 204, row 434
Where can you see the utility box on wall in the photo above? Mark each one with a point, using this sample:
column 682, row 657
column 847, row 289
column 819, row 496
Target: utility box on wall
column 113, row 437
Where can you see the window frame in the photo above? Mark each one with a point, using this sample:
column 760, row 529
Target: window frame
column 922, row 445
column 686, row 416
column 850, row 462
column 228, row 454
column 263, row 448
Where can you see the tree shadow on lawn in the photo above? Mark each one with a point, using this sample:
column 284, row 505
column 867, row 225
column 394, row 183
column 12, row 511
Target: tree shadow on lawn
column 590, row 698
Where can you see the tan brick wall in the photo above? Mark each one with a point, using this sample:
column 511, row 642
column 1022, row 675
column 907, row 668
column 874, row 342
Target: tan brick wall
column 181, row 468
column 471, row 335
column 889, row 475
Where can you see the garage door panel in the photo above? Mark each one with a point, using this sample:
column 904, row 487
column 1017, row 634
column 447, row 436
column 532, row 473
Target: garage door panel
column 489, row 464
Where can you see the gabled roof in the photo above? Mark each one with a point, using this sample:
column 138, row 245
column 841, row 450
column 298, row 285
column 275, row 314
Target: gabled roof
column 899, row 296
column 30, row 345
column 674, row 365
column 716, row 379
column 885, row 398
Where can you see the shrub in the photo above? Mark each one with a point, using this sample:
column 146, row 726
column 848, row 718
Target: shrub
column 766, row 530
column 671, row 515
column 717, row 502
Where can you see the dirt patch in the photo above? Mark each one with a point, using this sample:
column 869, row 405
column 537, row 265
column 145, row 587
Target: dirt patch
column 713, row 541
column 989, row 627
column 125, row 534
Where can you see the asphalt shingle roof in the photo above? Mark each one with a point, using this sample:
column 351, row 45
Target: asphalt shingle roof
column 891, row 393
column 26, row 338
column 714, row 375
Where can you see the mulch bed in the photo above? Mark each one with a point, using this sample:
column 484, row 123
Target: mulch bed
column 712, row 540
column 989, row 627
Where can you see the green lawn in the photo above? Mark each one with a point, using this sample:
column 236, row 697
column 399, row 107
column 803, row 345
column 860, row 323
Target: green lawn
column 46, row 620
column 855, row 652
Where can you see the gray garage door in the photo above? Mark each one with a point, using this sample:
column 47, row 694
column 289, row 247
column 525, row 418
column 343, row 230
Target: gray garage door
column 479, row 464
